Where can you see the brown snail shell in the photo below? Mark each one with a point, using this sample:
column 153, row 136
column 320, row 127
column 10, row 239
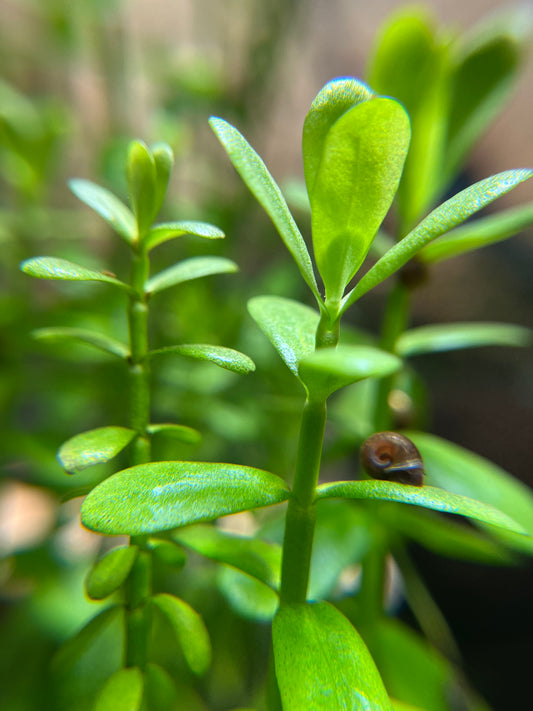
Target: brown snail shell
column 393, row 457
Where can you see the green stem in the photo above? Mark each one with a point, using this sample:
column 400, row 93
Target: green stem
column 372, row 593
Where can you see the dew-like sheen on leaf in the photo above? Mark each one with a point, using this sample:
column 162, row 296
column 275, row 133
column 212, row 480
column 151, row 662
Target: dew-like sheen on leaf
column 62, row 269
column 163, row 495
column 93, row 447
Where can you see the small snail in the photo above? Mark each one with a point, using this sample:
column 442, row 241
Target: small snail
column 393, row 457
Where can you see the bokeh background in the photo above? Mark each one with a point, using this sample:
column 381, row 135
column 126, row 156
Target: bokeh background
column 78, row 81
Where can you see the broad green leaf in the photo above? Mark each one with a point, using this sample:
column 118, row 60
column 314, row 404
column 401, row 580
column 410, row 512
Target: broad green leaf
column 107, row 205
column 122, row 692
column 160, row 692
column 478, row 233
column 322, row 663
column 164, row 160
column 456, row 336
column 226, row 358
column 189, row 629
column 103, row 343
column 54, row 268
column 181, row 432
column 256, row 558
column 93, row 447
column 189, row 269
column 289, row 326
column 465, row 473
column 163, row 495
column 427, row 496
column 250, row 598
column 141, row 175
column 329, row 369
column 356, row 180
column 169, row 230
column 331, row 102
column 481, row 79
column 108, row 574
column 451, row 213
column 265, row 189
column 409, row 64
column 75, row 647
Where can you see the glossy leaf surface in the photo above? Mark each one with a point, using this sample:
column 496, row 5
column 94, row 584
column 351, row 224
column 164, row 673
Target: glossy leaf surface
column 189, row 629
column 468, row 474
column 181, row 432
column 189, row 269
column 97, row 340
column 289, row 325
column 455, row 336
column 479, row 233
column 322, row 663
column 329, row 369
column 122, row 692
column 262, row 185
column 107, row 205
column 428, row 496
column 451, row 213
column 54, row 268
column 93, row 447
column 108, row 574
column 166, row 231
column 356, row 181
column 156, row 497
column 141, row 175
column 226, row 358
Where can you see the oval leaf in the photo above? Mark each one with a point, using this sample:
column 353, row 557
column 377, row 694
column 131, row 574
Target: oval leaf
column 451, row 213
column 289, row 326
column 266, row 191
column 189, row 269
column 163, row 160
column 455, row 336
column 189, row 629
column 156, row 497
column 141, row 175
column 329, row 369
column 113, row 210
column 93, row 447
column 103, row 343
column 427, row 496
column 181, row 432
column 108, row 574
column 122, row 692
column 322, row 663
column 226, row 358
column 159, row 690
column 249, row 597
column 53, row 268
column 357, row 178
column 169, row 230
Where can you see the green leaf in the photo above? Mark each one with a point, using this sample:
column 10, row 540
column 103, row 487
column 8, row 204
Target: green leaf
column 107, row 205
column 410, row 64
column 169, row 230
column 103, row 343
column 329, row 369
column 456, row 336
column 322, row 663
column 122, row 692
column 108, row 574
column 75, row 647
column 163, row 495
column 465, row 473
column 93, row 447
column 249, row 598
column 478, row 233
column 451, row 213
column 141, row 175
column 189, row 269
column 167, row 552
column 189, row 629
column 53, row 268
column 164, row 161
column 289, row 326
column 357, row 178
column 159, row 689
column 256, row 558
column 427, row 496
column 181, row 432
column 263, row 186
column 226, row 358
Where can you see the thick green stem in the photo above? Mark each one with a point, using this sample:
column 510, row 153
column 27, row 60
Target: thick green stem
column 139, row 590
column 372, row 593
